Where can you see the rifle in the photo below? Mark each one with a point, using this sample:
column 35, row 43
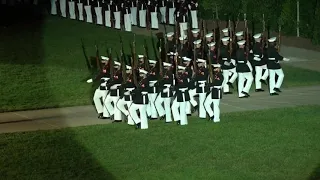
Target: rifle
column 160, row 63
column 98, row 58
column 134, row 61
column 204, row 32
column 146, row 57
column 279, row 38
column 85, row 55
column 230, row 36
column 194, row 63
column 165, row 44
column 210, row 68
column 247, row 35
column 111, row 63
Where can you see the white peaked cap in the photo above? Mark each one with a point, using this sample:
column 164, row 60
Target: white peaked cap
column 172, row 53
column 104, row 58
column 195, row 30
column 181, row 67
column 225, row 30
column 225, row 39
column 241, row 42
column 167, row 64
column 170, row 34
column 209, row 35
column 197, row 41
column 186, row 58
column 216, row 65
column 152, row 61
column 128, row 67
column 140, row 56
column 201, row 61
column 212, row 44
column 143, row 71
column 272, row 39
column 239, row 33
column 256, row 36
column 117, row 63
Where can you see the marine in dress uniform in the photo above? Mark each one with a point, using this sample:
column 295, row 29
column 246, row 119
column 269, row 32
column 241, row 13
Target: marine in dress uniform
column 133, row 9
column 53, row 9
column 274, row 67
column 228, row 68
column 171, row 47
column 181, row 97
column 98, row 12
column 126, row 16
column 225, row 32
column 101, row 92
column 183, row 48
column 126, row 96
column 107, row 13
column 213, row 53
column 114, row 95
column 208, row 41
column 195, row 34
column 153, row 90
column 193, row 6
column 153, row 10
column 259, row 63
column 80, row 9
column 166, row 93
column 163, row 10
column 244, row 72
column 142, row 7
column 215, row 94
column 72, row 9
column 181, row 16
column 172, row 5
column 201, row 86
column 88, row 11
column 116, row 9
column 239, row 36
column 140, row 102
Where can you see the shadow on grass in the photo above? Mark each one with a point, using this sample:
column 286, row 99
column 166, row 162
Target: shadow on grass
column 315, row 175
column 22, row 48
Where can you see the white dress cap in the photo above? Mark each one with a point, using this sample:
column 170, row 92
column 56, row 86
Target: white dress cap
column 209, row 35
column 152, row 61
column 212, row 44
column 170, row 34
column 181, row 67
column 194, row 31
column 225, row 30
column 143, row 71
column 166, row 64
column 216, row 65
column 128, row 67
column 116, row 63
column 256, row 36
column 140, row 56
column 273, row 39
column 186, row 58
column 104, row 58
column 197, row 42
column 225, row 39
column 241, row 42
column 239, row 33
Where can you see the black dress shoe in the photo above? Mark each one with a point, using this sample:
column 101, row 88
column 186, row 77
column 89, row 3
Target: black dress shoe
column 230, row 84
column 178, row 122
column 162, row 117
column 195, row 108
column 259, row 90
column 116, row 121
column 168, row 122
column 274, row 94
column 227, row 93
column 263, row 81
column 112, row 117
column 244, row 96
column 138, row 126
column 277, row 89
column 188, row 114
column 245, row 93
column 101, row 116
column 211, row 118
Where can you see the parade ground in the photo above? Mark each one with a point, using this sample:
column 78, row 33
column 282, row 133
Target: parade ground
column 53, row 132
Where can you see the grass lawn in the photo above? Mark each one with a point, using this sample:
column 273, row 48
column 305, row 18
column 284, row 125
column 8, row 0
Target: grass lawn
column 42, row 64
column 249, row 145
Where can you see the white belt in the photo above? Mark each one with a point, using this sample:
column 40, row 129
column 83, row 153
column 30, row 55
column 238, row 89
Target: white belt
column 218, row 87
column 256, row 55
column 115, row 86
column 104, row 84
column 151, row 83
column 167, row 85
column 256, row 59
column 202, row 82
column 272, row 59
column 129, row 89
column 144, row 93
column 183, row 89
column 105, row 78
column 240, row 61
column 127, row 93
column 224, row 59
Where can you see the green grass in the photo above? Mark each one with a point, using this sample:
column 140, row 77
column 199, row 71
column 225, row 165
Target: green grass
column 44, row 66
column 248, row 145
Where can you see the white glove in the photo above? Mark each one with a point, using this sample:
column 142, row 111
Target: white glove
column 166, row 90
column 202, row 85
column 251, row 51
column 226, row 63
column 196, row 4
column 89, row 81
column 189, row 6
column 286, row 59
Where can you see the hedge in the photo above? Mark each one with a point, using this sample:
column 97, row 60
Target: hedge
column 283, row 12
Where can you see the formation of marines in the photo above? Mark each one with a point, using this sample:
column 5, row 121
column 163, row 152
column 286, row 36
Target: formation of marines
column 192, row 64
column 123, row 14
